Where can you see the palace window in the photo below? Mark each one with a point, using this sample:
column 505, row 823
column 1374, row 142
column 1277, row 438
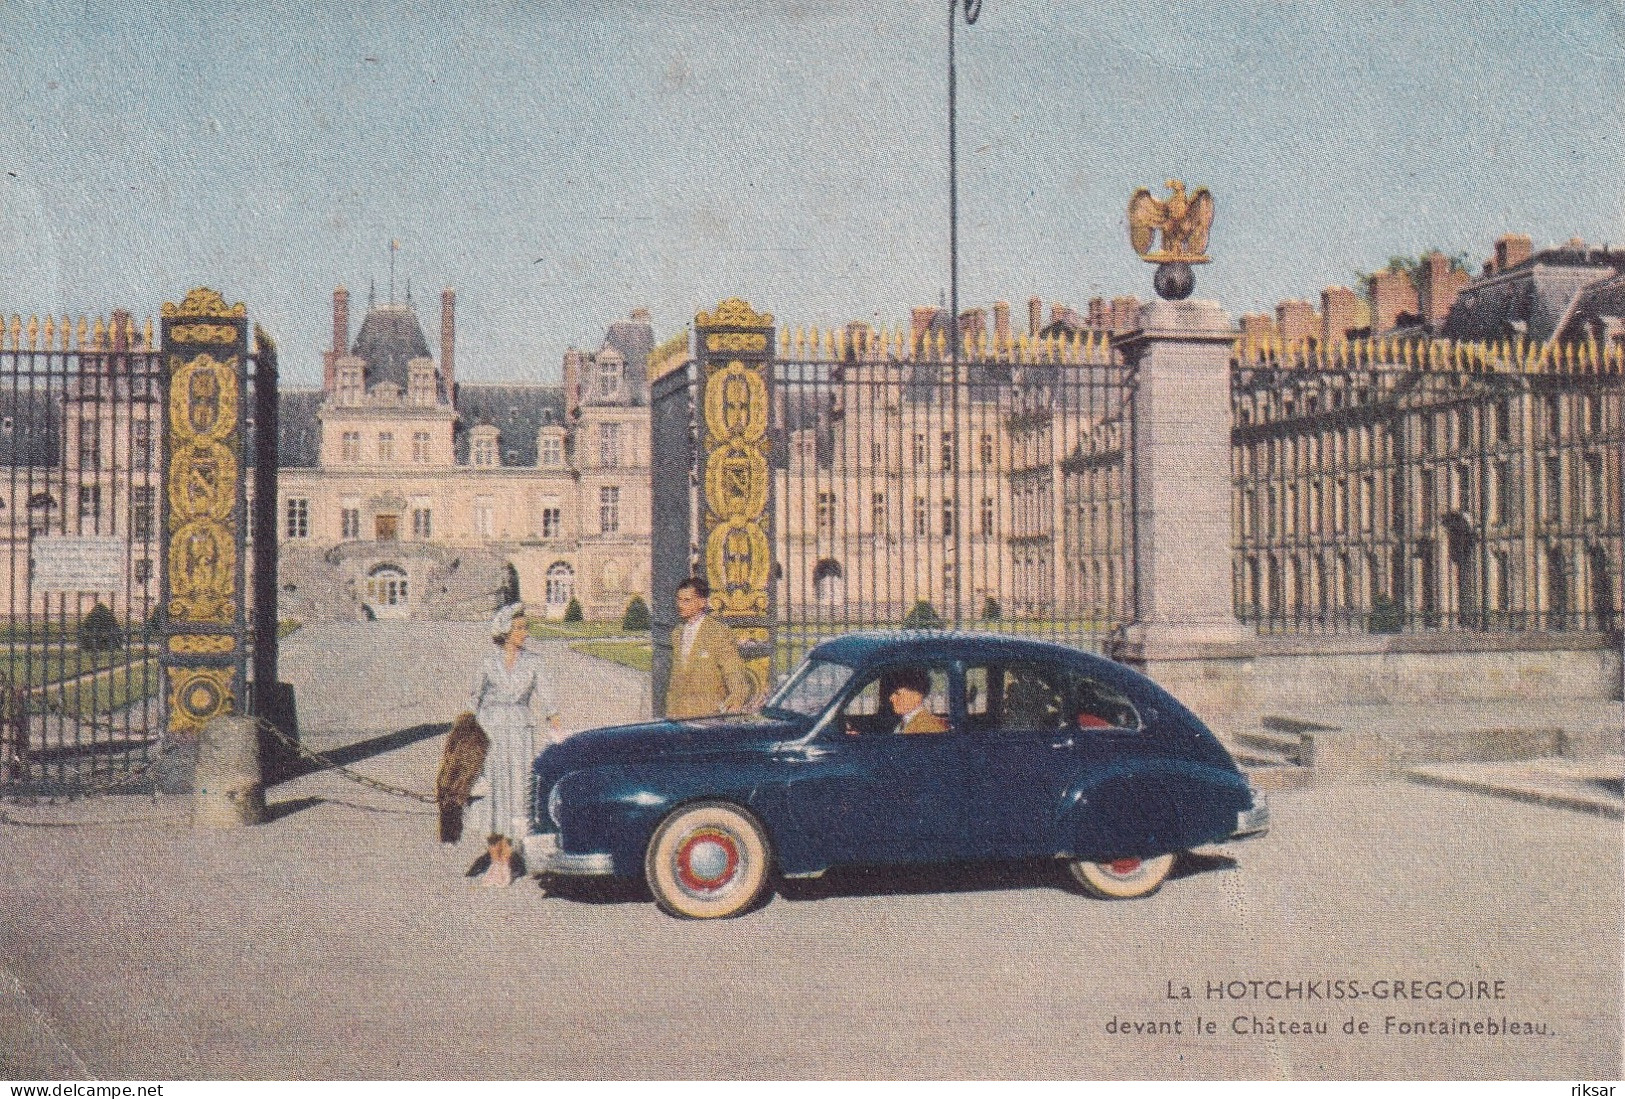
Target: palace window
column 919, row 449
column 987, row 516
column 351, row 446
column 484, row 524
column 141, row 444
column 485, row 450
column 552, row 451
column 297, row 517
column 141, row 513
column 949, row 515
column 609, row 510
column 877, row 505
column 552, row 522
column 90, row 504
column 386, row 446
column 420, row 446
column 1553, row 489
column 826, row 511
column 922, row 519
column 422, row 525
column 948, row 451
column 1501, row 500
column 609, row 376
column 90, row 443
column 609, row 444
column 143, row 571
column 1593, row 486
column 349, row 523
column 987, row 449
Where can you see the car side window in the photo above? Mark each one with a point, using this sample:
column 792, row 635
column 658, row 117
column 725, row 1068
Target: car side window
column 1015, row 698
column 1095, row 705
column 869, row 710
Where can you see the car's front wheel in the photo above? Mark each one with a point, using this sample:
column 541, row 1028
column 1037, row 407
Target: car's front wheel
column 1122, row 879
column 707, row 861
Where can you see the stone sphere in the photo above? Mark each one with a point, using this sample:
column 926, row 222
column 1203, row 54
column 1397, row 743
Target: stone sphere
column 1174, row 281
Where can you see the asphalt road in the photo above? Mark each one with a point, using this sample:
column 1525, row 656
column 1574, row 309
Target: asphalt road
column 339, row 940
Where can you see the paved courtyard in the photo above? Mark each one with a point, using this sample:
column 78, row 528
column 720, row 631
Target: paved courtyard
column 340, row 940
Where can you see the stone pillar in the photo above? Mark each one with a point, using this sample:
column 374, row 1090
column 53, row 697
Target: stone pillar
column 229, row 790
column 1185, row 635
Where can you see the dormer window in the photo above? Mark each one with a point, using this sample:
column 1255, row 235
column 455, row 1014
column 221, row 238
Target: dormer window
column 483, row 446
column 610, row 369
column 552, row 450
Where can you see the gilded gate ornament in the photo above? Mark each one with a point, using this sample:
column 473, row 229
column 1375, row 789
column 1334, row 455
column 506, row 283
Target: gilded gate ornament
column 205, row 341
column 1183, row 222
column 736, row 480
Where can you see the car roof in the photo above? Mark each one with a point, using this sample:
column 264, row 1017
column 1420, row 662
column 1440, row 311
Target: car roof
column 862, row 648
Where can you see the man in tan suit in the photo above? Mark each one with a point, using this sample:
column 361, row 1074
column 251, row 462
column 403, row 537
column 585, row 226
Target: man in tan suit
column 707, row 675
column 909, row 688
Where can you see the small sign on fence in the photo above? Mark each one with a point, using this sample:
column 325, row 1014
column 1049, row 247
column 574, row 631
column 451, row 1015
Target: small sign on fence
column 77, row 563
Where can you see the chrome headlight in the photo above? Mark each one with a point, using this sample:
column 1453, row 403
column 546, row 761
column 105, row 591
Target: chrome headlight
column 553, row 806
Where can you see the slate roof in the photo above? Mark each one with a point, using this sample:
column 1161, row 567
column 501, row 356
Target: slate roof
column 390, row 338
column 518, row 412
column 634, row 340
column 1531, row 298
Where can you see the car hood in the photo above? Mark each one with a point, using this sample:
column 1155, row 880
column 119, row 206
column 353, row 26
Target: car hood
column 652, row 740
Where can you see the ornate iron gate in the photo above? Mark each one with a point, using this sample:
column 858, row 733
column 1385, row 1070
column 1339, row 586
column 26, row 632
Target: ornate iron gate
column 122, row 541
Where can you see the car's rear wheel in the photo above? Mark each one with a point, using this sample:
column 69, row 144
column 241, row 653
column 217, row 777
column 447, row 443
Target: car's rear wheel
column 708, row 860
column 1122, row 879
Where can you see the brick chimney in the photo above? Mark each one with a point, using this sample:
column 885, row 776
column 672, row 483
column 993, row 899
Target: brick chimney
column 1257, row 327
column 341, row 337
column 572, row 374
column 1513, row 249
column 919, row 322
column 1297, row 320
column 1441, row 285
column 448, row 340
column 1125, row 315
column 1392, row 293
column 1340, row 312
column 1001, row 323
column 1035, row 315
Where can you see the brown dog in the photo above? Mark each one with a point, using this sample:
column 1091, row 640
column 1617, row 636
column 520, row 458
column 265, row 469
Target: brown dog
column 460, row 764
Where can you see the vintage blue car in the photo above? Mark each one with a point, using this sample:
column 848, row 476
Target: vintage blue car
column 894, row 748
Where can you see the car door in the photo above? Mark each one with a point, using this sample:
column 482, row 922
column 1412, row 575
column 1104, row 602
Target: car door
column 1026, row 754
column 887, row 796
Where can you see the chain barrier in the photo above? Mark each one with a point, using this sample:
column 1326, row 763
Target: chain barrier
column 340, row 769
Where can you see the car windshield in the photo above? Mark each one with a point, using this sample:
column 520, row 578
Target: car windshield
column 810, row 689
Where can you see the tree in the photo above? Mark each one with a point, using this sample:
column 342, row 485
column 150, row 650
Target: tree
column 99, row 630
column 923, row 616
column 990, row 610
column 636, row 618
column 572, row 610
column 1386, row 616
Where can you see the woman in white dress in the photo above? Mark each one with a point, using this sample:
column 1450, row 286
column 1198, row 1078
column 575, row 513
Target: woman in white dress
column 511, row 684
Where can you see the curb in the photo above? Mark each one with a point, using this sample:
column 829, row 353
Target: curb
column 1555, row 799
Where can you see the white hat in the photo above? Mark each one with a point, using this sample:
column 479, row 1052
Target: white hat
column 502, row 621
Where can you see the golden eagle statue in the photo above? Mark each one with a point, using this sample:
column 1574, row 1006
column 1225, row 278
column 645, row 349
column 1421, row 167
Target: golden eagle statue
column 1183, row 221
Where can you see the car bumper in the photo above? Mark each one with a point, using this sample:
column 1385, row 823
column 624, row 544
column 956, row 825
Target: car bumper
column 1254, row 822
column 544, row 856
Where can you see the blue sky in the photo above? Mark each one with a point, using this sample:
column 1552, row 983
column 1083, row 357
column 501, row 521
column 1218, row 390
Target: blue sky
column 560, row 164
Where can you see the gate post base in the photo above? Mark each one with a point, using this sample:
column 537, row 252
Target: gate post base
column 229, row 792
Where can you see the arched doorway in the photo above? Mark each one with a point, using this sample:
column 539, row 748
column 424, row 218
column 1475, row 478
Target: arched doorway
column 388, row 591
column 561, row 585
column 829, row 586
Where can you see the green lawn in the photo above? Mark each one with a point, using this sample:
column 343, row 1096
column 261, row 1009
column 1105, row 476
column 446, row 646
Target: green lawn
column 575, row 631
column 42, row 667
column 110, row 691
column 634, row 654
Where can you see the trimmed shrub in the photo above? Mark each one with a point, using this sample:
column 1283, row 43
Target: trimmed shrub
column 636, row 618
column 572, row 610
column 99, row 630
column 923, row 616
column 990, row 610
column 1385, row 616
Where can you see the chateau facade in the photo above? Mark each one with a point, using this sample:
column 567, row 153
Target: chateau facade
column 404, row 492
